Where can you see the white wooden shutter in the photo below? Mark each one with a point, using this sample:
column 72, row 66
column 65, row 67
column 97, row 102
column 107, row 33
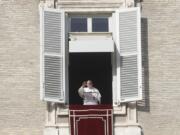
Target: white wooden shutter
column 53, row 53
column 128, row 42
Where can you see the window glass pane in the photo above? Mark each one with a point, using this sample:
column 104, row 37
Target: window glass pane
column 78, row 24
column 100, row 25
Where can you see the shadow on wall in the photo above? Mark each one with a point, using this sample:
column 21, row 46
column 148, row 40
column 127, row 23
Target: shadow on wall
column 144, row 105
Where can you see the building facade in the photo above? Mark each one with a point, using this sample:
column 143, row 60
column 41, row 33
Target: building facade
column 22, row 112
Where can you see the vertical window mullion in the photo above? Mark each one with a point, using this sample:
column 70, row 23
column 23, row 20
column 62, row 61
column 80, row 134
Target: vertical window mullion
column 89, row 24
column 110, row 24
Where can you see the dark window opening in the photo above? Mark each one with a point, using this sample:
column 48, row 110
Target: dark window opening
column 78, row 24
column 100, row 25
column 93, row 66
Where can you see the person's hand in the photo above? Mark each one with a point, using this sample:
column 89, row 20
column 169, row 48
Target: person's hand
column 94, row 95
column 84, row 84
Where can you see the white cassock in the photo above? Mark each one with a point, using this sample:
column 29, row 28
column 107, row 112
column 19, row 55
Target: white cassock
column 91, row 96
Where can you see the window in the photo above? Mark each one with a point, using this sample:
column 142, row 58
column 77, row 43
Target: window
column 89, row 23
column 78, row 24
column 100, row 24
column 54, row 55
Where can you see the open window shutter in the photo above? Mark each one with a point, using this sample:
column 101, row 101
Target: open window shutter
column 128, row 41
column 53, row 52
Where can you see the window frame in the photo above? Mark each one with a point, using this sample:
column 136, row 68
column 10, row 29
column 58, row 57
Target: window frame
column 89, row 21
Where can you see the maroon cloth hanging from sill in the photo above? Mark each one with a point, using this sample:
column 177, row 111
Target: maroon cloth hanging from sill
column 91, row 119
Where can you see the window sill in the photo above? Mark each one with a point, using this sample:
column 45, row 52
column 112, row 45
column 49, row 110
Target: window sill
column 63, row 113
column 119, row 110
column 90, row 33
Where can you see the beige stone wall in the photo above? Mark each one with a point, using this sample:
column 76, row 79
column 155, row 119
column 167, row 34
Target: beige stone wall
column 21, row 111
column 159, row 114
column 90, row 5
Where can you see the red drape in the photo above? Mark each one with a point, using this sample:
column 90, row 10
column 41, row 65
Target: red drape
column 91, row 120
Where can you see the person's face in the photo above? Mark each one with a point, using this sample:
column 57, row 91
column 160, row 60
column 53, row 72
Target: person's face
column 89, row 84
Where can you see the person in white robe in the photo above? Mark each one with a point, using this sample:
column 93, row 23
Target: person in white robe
column 90, row 94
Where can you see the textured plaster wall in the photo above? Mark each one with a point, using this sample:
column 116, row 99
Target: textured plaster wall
column 159, row 112
column 21, row 111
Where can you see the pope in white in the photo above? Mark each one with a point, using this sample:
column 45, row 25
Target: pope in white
column 90, row 94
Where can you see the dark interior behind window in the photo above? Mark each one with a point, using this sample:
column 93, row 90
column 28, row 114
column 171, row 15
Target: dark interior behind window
column 100, row 25
column 90, row 66
column 78, row 24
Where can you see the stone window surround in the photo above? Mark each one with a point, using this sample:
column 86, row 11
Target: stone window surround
column 123, row 109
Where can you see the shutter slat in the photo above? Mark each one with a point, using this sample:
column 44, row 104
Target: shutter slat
column 130, row 65
column 129, row 77
column 53, row 55
column 53, row 76
column 52, row 32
